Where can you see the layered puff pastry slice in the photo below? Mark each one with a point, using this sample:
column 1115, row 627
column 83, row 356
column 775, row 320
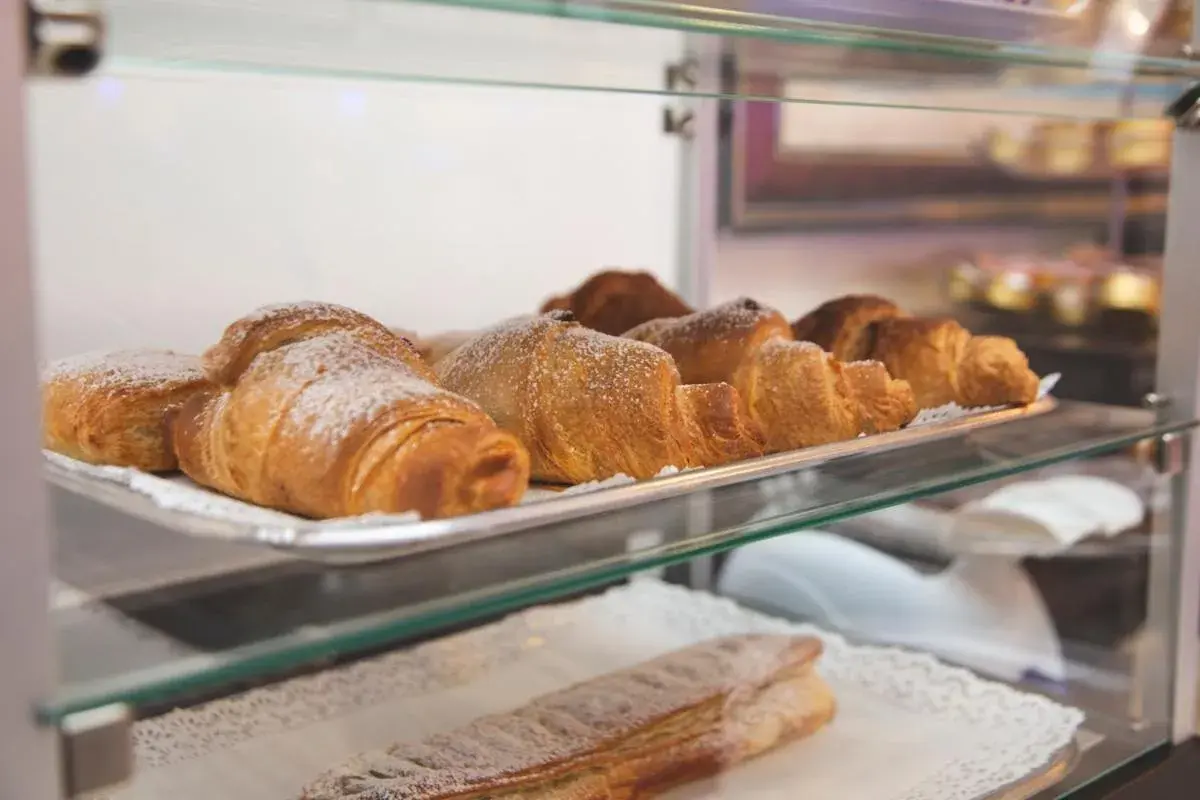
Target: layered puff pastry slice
column 590, row 406
column 629, row 735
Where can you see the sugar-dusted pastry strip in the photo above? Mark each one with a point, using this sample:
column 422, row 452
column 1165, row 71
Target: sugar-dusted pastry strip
column 628, row 735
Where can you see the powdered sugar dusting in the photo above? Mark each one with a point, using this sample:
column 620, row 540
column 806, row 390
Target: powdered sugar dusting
column 740, row 314
column 553, row 383
column 125, row 369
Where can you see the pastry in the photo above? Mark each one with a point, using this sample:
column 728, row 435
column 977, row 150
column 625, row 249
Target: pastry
column 798, row 394
column 944, row 363
column 628, row 735
column 941, row 361
column 710, row 345
column 110, row 408
column 885, row 403
column 843, row 326
column 589, row 406
column 614, row 301
column 321, row 411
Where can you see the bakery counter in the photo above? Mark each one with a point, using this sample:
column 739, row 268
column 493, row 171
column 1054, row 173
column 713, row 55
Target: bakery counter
column 644, row 690
column 226, row 613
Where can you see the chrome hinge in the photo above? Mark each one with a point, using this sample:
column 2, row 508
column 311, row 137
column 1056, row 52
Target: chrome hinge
column 65, row 39
column 680, row 78
column 97, row 748
column 1185, row 111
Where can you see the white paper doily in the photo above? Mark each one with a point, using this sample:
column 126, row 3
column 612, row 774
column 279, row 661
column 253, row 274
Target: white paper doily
column 908, row 727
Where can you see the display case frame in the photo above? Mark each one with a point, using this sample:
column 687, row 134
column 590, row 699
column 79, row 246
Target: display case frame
column 42, row 760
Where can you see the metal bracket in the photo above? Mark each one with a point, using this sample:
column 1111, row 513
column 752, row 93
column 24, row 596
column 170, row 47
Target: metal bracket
column 1170, row 454
column 1185, row 110
column 678, row 123
column 97, row 748
column 680, row 78
column 65, row 39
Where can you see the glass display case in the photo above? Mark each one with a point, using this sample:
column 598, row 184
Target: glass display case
column 830, row 575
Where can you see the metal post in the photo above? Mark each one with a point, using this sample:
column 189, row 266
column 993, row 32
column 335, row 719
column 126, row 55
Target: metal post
column 1175, row 573
column 697, row 224
column 28, row 754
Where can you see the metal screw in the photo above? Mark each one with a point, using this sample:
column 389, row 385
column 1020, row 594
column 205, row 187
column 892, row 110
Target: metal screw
column 1154, row 400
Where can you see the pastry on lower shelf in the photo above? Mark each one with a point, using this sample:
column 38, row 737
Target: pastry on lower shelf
column 613, row 301
column 799, row 394
column 589, row 406
column 628, row 735
column 939, row 359
column 111, row 408
column 322, row 411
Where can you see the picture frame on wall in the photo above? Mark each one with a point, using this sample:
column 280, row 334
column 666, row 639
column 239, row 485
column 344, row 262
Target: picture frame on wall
column 844, row 161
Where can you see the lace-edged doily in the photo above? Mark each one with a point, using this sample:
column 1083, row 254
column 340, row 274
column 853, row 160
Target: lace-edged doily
column 1013, row 735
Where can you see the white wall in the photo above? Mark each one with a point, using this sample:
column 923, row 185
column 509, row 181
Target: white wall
column 167, row 203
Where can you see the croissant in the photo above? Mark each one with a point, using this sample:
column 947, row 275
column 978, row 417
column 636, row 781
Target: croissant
column 844, row 326
column 111, row 408
column 614, row 301
column 589, row 406
column 939, row 358
column 944, row 363
column 321, row 411
column 797, row 393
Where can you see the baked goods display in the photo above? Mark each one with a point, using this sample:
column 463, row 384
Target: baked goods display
column 613, row 301
column 628, row 735
column 939, row 358
column 799, row 394
column 589, row 406
column 110, row 408
column 321, row 411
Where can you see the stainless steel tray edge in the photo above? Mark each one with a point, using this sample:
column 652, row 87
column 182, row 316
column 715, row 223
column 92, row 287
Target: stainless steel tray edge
column 373, row 538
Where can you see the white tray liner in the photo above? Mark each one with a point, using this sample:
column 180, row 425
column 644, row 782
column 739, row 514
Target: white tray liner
column 908, row 727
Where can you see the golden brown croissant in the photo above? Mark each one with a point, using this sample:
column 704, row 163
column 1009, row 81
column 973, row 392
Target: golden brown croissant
column 111, row 408
column 613, row 301
column 796, row 392
column 711, row 345
column 589, row 406
column 843, row 326
column 323, row 412
column 628, row 735
column 885, row 403
column 943, row 362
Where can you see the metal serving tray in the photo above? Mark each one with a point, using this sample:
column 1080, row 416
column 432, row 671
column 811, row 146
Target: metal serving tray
column 176, row 503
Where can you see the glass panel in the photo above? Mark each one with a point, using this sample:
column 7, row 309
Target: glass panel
column 1005, row 62
column 1015, row 594
column 151, row 618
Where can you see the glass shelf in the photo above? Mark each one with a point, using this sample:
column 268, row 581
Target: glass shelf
column 155, row 619
column 1008, row 61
